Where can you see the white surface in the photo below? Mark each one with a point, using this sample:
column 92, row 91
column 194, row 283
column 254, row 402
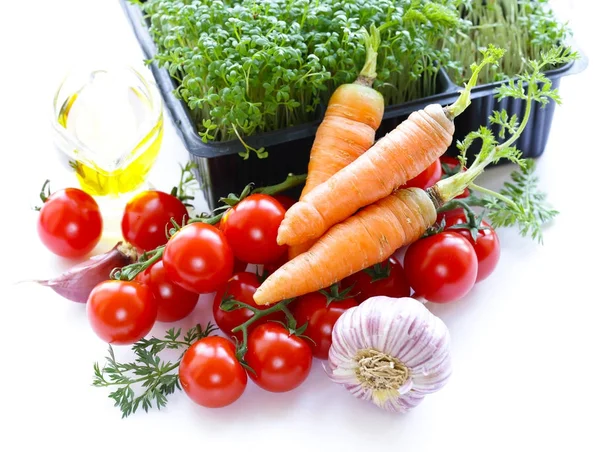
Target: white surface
column 525, row 341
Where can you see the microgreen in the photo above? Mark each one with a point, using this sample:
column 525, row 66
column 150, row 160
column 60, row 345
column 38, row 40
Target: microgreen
column 244, row 67
column 524, row 28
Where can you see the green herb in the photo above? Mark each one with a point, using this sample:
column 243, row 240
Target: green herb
column 244, row 67
column 149, row 373
column 524, row 28
column 519, row 202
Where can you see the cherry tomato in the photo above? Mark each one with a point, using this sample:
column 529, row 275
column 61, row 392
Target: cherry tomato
column 251, row 229
column 281, row 360
column 148, row 216
column 447, row 214
column 70, row 223
column 321, row 316
column 451, row 166
column 441, row 267
column 385, row 279
column 121, row 312
column 285, row 201
column 198, row 258
column 239, row 266
column 428, row 177
column 241, row 287
column 174, row 302
column 210, row 374
column 487, row 246
column 272, row 266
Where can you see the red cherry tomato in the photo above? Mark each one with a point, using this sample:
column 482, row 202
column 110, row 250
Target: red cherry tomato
column 441, row 267
column 285, row 201
column 313, row 309
column 70, row 223
column 239, row 266
column 428, row 177
column 445, row 215
column 281, row 360
column 241, row 287
column 198, row 258
column 121, row 312
column 272, row 266
column 210, row 374
column 487, row 246
column 386, row 279
column 451, row 166
column 148, row 216
column 174, row 302
column 251, row 229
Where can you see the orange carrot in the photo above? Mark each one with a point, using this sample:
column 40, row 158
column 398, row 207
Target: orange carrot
column 398, row 157
column 369, row 237
column 353, row 115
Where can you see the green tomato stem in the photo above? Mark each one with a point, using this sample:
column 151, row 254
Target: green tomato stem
column 291, row 181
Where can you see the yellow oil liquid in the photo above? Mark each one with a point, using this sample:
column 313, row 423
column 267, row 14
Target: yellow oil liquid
column 124, row 166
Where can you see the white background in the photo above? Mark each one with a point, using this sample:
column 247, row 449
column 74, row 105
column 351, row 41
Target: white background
column 524, row 342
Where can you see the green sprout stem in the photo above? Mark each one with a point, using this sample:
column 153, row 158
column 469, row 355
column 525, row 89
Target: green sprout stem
column 260, row 152
column 491, row 55
column 368, row 74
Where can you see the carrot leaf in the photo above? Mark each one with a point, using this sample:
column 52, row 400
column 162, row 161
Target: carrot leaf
column 491, row 56
column 520, row 203
column 151, row 376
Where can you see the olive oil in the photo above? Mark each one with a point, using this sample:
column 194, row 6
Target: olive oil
column 112, row 131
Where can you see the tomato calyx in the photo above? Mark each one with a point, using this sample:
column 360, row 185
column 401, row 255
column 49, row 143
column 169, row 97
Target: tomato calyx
column 379, row 271
column 229, row 303
column 146, row 260
column 333, row 293
column 474, row 222
column 44, row 193
column 450, row 170
column 474, row 225
column 129, row 272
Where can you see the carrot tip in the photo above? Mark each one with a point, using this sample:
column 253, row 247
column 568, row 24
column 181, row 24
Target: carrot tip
column 281, row 236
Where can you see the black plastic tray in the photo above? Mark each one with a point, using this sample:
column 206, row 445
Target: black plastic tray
column 222, row 171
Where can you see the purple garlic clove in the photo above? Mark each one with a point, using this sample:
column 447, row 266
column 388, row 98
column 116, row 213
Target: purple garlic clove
column 76, row 283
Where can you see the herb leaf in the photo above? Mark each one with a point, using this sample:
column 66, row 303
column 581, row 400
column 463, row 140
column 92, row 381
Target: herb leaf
column 148, row 373
column 528, row 209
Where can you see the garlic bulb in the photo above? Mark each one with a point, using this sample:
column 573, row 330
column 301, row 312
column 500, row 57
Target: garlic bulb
column 391, row 351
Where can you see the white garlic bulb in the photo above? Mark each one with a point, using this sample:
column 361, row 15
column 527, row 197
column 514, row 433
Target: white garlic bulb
column 391, row 351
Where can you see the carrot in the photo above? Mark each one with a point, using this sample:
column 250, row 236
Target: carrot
column 373, row 234
column 353, row 115
column 398, row 157
column 378, row 230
